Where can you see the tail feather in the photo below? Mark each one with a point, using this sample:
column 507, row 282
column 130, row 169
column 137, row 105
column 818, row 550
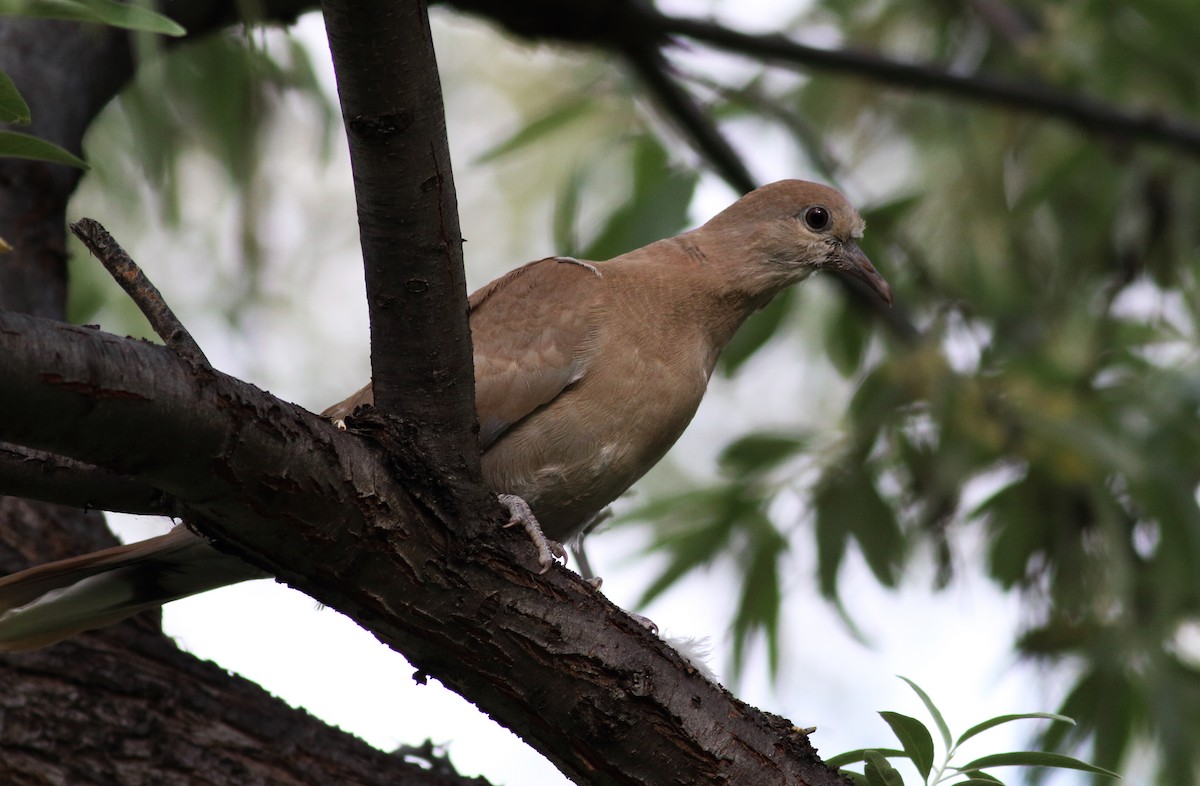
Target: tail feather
column 42, row 605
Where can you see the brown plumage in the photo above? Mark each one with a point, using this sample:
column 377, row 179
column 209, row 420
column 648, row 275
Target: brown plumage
column 585, row 373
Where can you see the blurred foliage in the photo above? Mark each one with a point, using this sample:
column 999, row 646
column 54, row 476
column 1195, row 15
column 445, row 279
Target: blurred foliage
column 1053, row 396
column 214, row 98
column 1052, row 274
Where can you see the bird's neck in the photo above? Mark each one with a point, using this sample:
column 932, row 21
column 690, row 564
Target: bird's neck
column 713, row 287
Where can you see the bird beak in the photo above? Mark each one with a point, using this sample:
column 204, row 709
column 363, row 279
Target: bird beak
column 854, row 262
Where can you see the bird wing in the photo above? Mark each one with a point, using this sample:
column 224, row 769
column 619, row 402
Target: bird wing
column 533, row 333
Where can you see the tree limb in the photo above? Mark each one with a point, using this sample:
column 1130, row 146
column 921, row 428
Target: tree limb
column 36, row 474
column 144, row 294
column 1088, row 114
column 609, row 24
column 369, row 533
column 391, row 99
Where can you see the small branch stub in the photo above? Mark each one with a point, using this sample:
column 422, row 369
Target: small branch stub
column 139, row 288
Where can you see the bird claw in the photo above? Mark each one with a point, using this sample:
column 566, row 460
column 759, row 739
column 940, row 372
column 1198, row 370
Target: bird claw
column 549, row 551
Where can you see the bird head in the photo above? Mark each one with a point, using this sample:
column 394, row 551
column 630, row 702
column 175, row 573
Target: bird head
column 794, row 228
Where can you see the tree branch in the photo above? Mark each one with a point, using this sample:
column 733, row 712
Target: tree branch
column 139, row 288
column 1088, row 114
column 696, row 124
column 609, row 24
column 369, row 533
column 391, row 98
column 35, row 474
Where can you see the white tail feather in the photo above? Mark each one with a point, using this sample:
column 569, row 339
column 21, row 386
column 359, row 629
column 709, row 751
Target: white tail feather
column 42, row 605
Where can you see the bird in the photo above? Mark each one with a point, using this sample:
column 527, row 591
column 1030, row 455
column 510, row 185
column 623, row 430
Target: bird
column 586, row 373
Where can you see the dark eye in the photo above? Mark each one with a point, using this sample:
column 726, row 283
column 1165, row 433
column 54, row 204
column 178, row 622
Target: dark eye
column 817, row 218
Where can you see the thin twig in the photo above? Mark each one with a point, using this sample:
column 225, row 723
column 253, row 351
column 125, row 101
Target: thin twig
column 147, row 297
column 679, row 105
column 611, row 25
column 1094, row 116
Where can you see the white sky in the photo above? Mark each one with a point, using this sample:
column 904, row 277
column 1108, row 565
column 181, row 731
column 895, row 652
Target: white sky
column 310, row 346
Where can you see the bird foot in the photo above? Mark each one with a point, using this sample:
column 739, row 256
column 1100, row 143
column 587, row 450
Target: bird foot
column 549, row 551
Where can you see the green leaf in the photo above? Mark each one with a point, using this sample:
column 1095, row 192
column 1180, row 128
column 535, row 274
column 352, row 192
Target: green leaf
column 657, row 208
column 761, row 598
column 981, row 778
column 880, row 772
column 934, row 712
column 13, row 108
column 858, row 779
column 1000, row 719
column 14, row 144
column 1034, row 759
column 699, row 528
column 860, row 754
column 566, row 214
column 756, row 453
column 847, row 503
column 846, row 338
column 916, row 739
column 124, row 15
column 556, row 118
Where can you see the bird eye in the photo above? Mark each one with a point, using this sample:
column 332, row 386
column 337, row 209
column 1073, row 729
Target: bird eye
column 817, row 218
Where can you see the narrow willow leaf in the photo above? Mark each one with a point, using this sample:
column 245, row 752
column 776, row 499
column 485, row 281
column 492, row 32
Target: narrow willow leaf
column 758, row 452
column 916, row 739
column 13, row 108
column 981, row 779
column 14, row 144
column 760, row 601
column 558, row 117
column 860, row 754
column 988, row 724
column 933, row 710
column 108, row 12
column 880, row 772
column 1035, row 759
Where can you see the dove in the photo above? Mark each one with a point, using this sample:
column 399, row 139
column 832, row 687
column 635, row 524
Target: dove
column 586, row 373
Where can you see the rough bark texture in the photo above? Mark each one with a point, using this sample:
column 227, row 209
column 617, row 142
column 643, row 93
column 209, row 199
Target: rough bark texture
column 142, row 712
column 391, row 100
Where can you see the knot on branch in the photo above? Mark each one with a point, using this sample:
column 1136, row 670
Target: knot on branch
column 445, row 490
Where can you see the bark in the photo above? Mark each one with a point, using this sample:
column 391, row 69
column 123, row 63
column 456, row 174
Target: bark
column 391, row 100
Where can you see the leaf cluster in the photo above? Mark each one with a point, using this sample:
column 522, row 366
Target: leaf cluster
column 917, row 746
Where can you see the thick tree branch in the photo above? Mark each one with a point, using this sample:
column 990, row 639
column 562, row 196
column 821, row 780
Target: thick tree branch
column 1088, row 114
column 391, row 101
column 369, row 534
column 35, row 474
column 170, row 718
column 613, row 24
